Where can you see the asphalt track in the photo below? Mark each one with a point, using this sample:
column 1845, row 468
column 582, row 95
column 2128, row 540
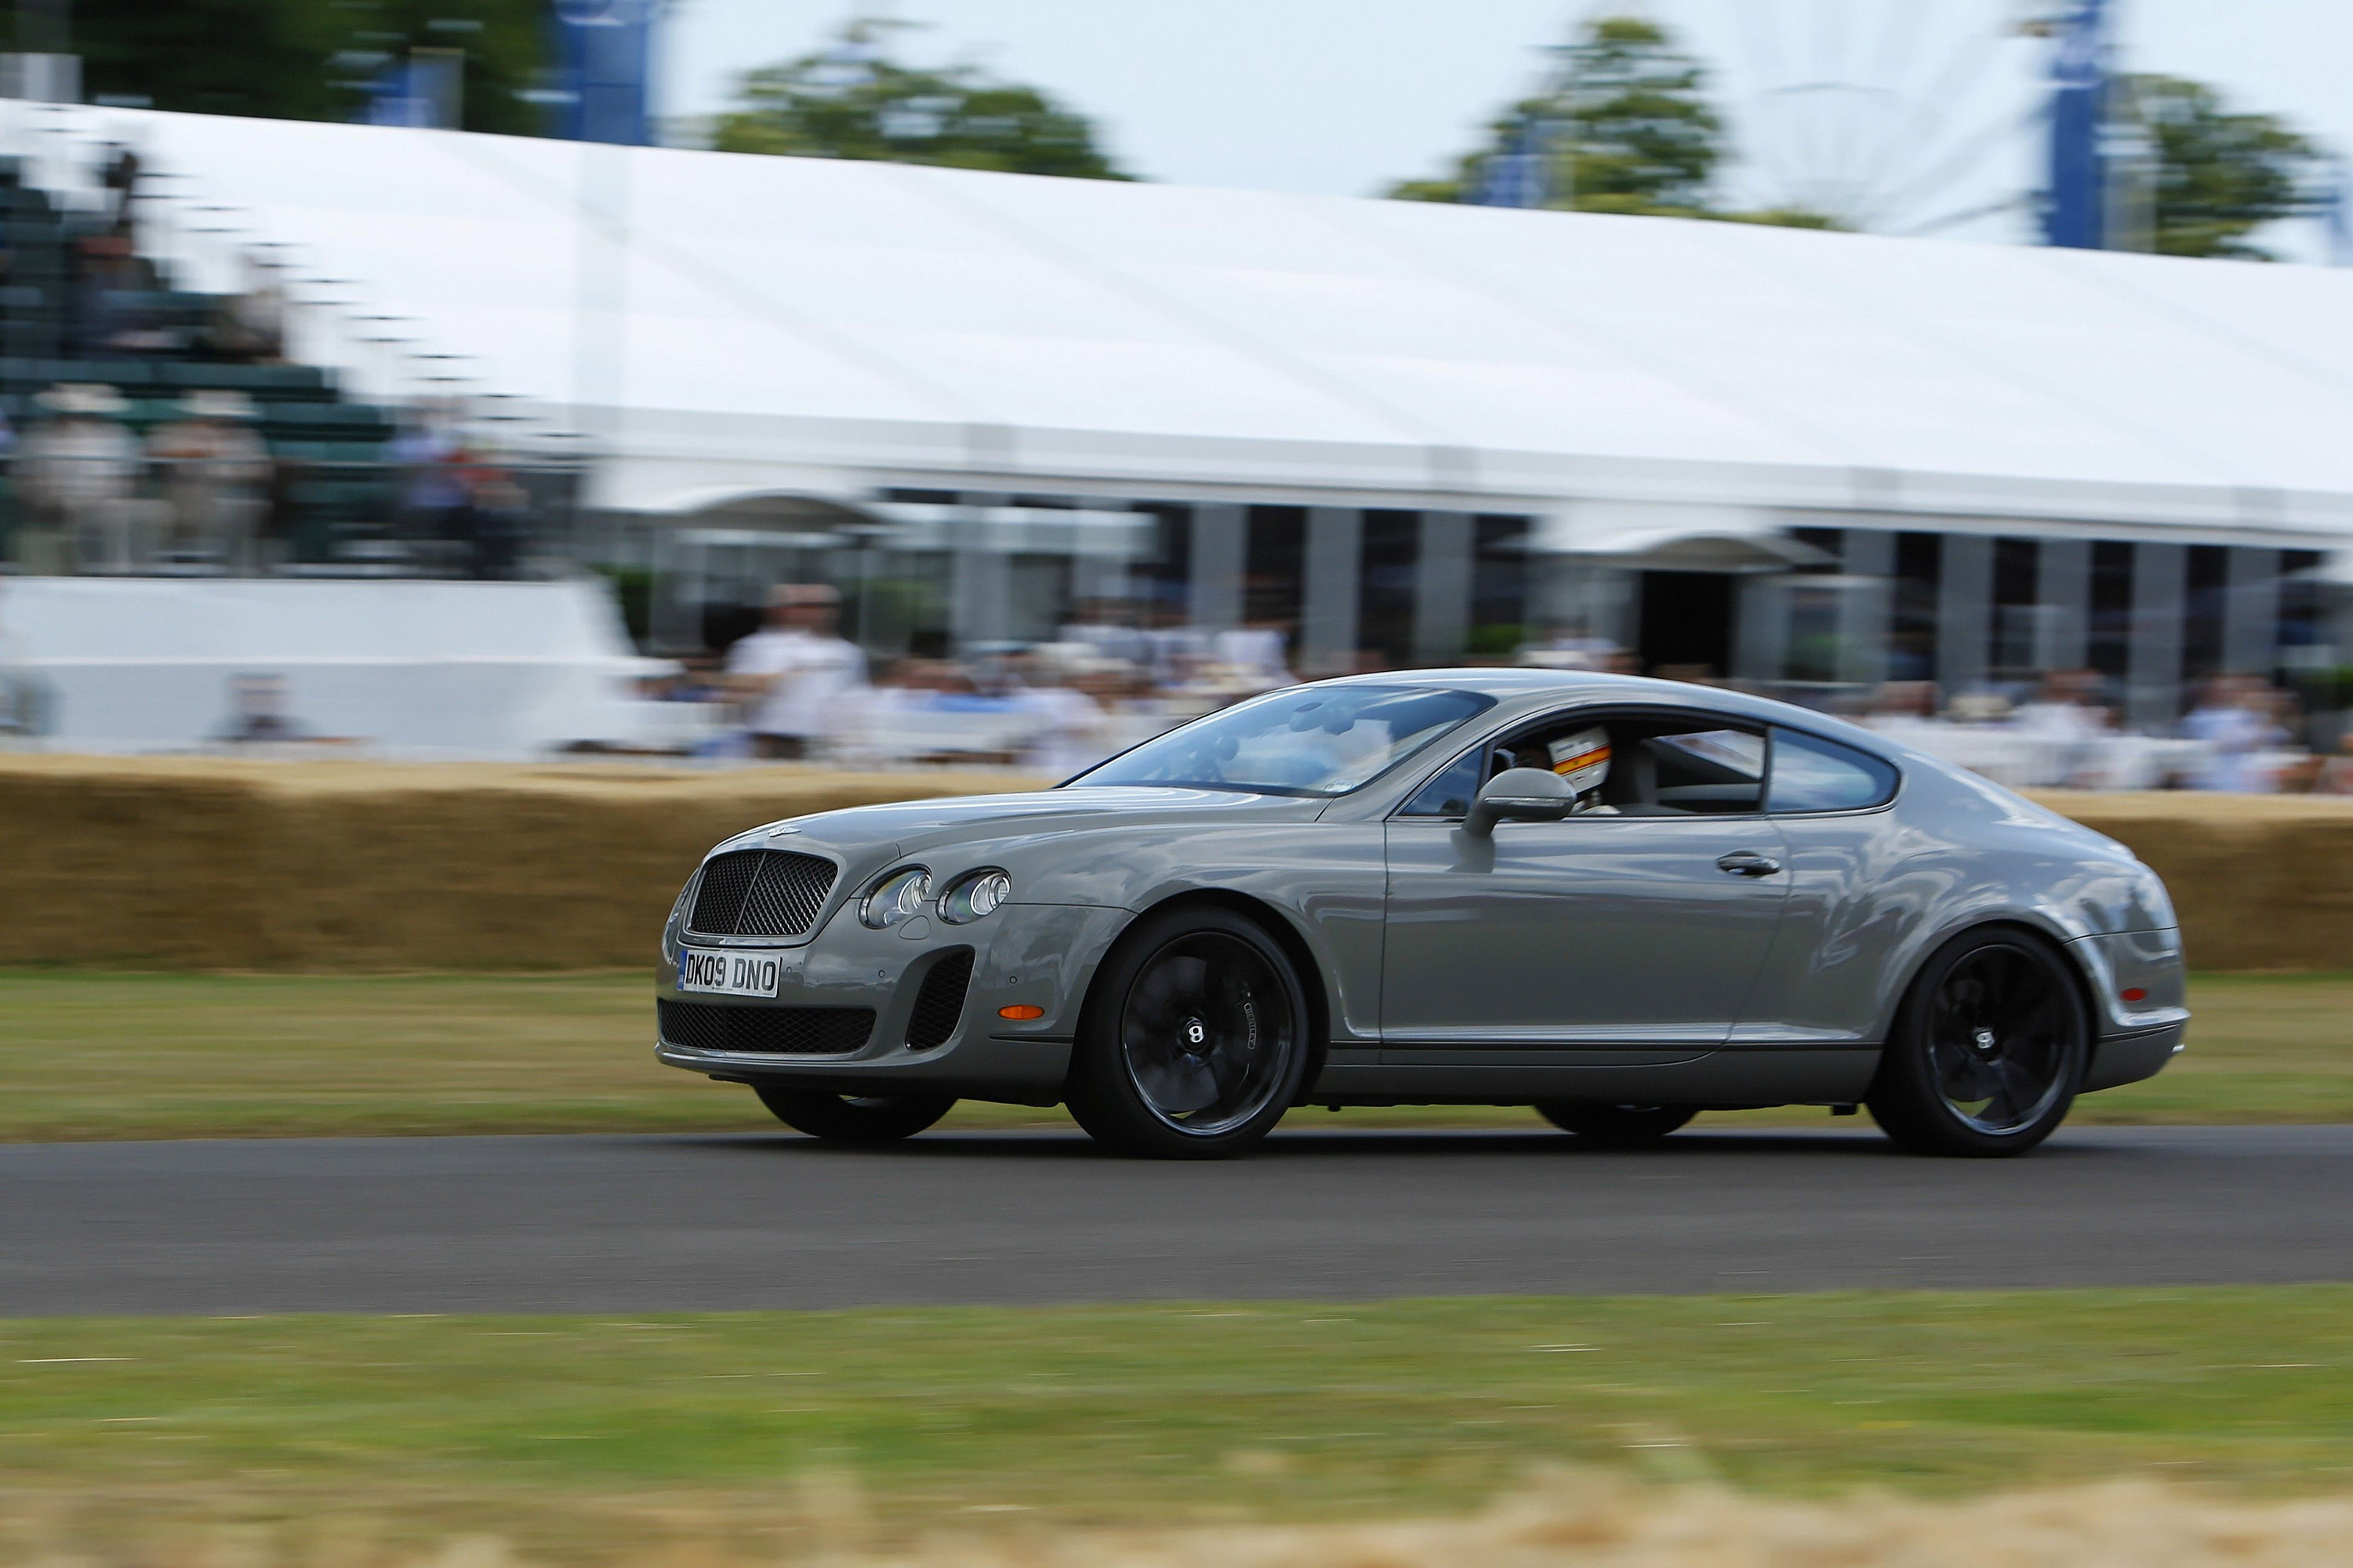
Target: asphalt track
column 607, row 1225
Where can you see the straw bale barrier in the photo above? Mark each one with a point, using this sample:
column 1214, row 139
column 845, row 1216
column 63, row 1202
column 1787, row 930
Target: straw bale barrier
column 2260, row 881
column 205, row 864
column 201, row 863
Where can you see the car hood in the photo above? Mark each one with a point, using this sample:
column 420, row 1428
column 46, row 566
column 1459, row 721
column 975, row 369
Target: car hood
column 862, row 833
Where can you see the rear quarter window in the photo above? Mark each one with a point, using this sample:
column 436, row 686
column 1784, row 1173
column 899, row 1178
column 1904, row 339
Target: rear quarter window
column 1810, row 773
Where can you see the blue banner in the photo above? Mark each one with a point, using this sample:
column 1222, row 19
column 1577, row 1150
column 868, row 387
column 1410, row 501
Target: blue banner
column 606, row 48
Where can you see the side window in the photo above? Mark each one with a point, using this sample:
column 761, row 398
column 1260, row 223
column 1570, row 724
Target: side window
column 1450, row 795
column 1812, row 774
column 1620, row 765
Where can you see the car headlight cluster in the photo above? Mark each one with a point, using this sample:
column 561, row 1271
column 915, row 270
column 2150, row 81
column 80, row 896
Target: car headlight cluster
column 974, row 897
column 903, row 894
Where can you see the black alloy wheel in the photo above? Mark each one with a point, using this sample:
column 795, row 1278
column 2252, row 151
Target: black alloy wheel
column 1616, row 1126
column 1193, row 1041
column 1989, row 1050
column 854, row 1118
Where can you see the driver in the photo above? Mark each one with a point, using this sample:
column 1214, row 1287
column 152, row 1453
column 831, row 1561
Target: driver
column 1583, row 759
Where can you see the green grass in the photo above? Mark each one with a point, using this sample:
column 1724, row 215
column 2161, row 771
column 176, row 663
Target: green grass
column 581, row 1436
column 87, row 1056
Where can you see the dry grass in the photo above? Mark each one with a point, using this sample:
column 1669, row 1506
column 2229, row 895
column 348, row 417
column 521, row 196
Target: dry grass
column 1571, row 1520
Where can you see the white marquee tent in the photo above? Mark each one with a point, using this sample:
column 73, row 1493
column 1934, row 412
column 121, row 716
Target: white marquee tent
column 723, row 326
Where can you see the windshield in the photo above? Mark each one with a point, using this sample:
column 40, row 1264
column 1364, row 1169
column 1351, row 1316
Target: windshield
column 1309, row 741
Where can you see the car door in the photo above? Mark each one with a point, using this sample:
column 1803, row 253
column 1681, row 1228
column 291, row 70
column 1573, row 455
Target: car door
column 1634, row 930
column 1853, row 900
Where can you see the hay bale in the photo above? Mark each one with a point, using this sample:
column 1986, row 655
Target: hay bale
column 205, row 863
column 2261, row 881
column 221, row 863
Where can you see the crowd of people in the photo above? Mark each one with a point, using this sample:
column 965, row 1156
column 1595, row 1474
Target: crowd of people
column 797, row 691
column 201, row 491
column 101, row 486
column 2242, row 735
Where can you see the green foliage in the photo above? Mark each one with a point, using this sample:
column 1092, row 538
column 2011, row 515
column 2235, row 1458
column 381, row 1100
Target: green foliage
column 1631, row 130
column 851, row 101
column 2220, row 175
column 1630, row 127
column 306, row 59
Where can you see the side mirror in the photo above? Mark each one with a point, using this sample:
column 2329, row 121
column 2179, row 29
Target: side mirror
column 1520, row 795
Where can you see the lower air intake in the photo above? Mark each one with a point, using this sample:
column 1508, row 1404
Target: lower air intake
column 766, row 1031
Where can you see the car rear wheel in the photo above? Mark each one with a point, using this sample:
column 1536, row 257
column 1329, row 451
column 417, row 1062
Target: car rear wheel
column 1987, row 1051
column 1616, row 1126
column 854, row 1118
column 1193, row 1040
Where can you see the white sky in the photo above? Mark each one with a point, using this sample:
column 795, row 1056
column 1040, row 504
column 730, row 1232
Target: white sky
column 1340, row 96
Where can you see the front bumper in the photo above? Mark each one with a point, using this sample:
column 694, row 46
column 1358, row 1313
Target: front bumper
column 1036, row 955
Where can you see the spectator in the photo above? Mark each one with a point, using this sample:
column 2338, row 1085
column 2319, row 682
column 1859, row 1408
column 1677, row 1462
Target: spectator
column 2233, row 721
column 79, row 470
column 121, row 180
column 257, row 713
column 250, row 329
column 797, row 677
column 433, row 494
column 1258, row 655
column 215, row 474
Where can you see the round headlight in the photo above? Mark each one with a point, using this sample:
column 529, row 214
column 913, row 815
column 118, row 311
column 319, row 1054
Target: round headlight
column 975, row 897
column 897, row 898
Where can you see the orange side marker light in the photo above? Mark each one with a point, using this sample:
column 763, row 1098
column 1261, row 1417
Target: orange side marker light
column 1024, row 1011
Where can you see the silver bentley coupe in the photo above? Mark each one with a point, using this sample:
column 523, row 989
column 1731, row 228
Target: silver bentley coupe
column 1619, row 901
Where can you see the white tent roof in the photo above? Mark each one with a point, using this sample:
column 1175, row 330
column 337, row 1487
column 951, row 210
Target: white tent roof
column 727, row 324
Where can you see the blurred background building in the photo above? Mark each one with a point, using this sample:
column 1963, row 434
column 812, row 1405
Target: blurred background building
column 1182, row 430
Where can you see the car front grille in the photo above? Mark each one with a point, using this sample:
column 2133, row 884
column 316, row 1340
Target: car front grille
column 939, row 1006
column 760, row 892
column 766, row 1031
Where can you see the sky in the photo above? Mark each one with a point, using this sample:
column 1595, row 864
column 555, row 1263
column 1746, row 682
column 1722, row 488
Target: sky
column 1912, row 112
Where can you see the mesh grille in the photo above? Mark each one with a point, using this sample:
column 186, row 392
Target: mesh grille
column 766, row 1031
column 940, row 1003
column 760, row 892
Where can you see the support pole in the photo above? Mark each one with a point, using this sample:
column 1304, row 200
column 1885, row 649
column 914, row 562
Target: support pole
column 2062, row 593
column 1335, row 570
column 1221, row 546
column 1964, row 612
column 2153, row 673
column 1441, row 593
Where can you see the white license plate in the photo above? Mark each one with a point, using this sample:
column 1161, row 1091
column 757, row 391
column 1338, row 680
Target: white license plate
column 729, row 974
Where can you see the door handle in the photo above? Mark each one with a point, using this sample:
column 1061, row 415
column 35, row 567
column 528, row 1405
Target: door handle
column 1748, row 863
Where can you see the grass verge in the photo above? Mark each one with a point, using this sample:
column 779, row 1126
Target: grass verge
column 587, row 1438
column 86, row 1055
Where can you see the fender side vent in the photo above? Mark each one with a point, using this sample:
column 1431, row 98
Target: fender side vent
column 939, row 1006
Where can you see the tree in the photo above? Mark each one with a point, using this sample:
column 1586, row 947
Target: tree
column 1625, row 123
column 852, row 101
column 2219, row 176
column 1628, row 128
column 306, row 59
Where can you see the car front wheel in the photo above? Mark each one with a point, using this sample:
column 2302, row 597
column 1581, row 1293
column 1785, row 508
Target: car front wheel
column 854, row 1118
column 1193, row 1041
column 1987, row 1051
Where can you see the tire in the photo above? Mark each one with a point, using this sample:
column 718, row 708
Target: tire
column 854, row 1119
column 1987, row 1052
column 1616, row 1126
column 1193, row 1040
